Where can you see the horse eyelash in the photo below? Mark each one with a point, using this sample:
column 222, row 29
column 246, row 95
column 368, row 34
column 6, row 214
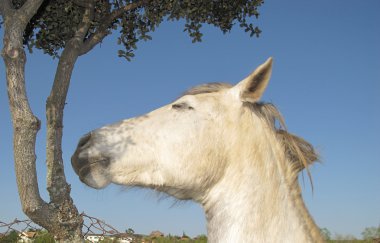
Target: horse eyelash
column 182, row 106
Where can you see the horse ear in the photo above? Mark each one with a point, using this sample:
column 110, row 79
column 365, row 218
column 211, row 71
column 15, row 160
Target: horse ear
column 252, row 87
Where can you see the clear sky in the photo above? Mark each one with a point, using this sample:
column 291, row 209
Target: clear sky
column 326, row 82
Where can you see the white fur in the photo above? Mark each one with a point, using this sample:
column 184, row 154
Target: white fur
column 215, row 151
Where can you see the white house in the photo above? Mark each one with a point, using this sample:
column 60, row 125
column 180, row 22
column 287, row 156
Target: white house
column 93, row 238
column 125, row 240
column 26, row 237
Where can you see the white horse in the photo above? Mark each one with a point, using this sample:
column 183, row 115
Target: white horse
column 216, row 145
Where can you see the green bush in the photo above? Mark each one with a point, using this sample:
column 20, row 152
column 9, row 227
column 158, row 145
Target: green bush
column 10, row 238
column 44, row 237
column 201, row 239
column 176, row 239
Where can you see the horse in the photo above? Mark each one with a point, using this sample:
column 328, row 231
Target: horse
column 219, row 146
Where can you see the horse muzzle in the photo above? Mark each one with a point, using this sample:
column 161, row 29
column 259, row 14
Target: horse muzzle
column 88, row 166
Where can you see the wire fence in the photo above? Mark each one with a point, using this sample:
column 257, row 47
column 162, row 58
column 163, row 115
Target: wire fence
column 91, row 225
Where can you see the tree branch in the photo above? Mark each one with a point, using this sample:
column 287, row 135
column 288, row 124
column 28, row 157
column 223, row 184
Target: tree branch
column 5, row 7
column 118, row 12
column 83, row 3
column 28, row 10
column 88, row 17
column 25, row 124
column 56, row 180
column 103, row 31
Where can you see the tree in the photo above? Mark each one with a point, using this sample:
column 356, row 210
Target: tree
column 10, row 238
column 130, row 231
column 200, row 239
column 347, row 237
column 326, row 234
column 68, row 29
column 184, row 236
column 370, row 233
column 44, row 237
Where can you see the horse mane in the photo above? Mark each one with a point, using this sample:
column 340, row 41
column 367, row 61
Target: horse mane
column 207, row 88
column 298, row 151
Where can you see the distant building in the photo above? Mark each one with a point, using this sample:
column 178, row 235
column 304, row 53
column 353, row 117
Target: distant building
column 185, row 237
column 26, row 237
column 123, row 238
column 120, row 238
column 93, row 238
column 156, row 234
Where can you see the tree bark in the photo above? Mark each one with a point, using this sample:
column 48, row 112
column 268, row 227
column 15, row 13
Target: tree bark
column 55, row 104
column 25, row 124
column 60, row 217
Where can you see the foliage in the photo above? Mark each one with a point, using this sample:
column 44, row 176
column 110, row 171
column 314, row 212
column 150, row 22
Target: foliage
column 10, row 238
column 326, row 233
column 57, row 20
column 130, row 231
column 344, row 237
column 175, row 239
column 184, row 235
column 200, row 239
column 371, row 233
column 368, row 234
column 44, row 237
column 349, row 241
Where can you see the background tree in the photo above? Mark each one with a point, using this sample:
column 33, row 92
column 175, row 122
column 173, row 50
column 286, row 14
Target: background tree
column 68, row 29
column 344, row 237
column 130, row 231
column 10, row 238
column 44, row 237
column 371, row 233
column 326, row 234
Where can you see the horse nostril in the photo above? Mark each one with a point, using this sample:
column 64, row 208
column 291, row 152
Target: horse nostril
column 83, row 141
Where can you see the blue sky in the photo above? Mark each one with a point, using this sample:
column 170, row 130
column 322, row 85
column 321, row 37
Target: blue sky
column 325, row 81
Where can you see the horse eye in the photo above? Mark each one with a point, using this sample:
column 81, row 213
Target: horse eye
column 182, row 106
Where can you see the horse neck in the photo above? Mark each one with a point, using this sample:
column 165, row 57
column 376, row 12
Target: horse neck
column 258, row 203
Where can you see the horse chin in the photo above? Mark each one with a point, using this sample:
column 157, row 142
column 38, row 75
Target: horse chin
column 95, row 180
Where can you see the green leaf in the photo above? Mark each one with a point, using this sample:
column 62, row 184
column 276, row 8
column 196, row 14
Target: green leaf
column 58, row 20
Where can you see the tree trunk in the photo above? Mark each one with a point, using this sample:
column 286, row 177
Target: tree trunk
column 59, row 189
column 25, row 124
column 55, row 104
column 60, row 217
